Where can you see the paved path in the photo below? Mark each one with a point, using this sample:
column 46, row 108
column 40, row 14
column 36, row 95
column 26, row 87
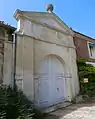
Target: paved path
column 75, row 111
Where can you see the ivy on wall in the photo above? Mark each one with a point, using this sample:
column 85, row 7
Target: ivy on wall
column 86, row 71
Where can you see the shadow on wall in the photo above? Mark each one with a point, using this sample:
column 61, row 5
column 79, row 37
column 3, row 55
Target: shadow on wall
column 75, row 111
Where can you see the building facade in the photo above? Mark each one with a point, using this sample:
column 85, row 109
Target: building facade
column 85, row 47
column 46, row 67
column 6, row 41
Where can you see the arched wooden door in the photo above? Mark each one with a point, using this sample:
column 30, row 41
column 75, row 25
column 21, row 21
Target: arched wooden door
column 50, row 84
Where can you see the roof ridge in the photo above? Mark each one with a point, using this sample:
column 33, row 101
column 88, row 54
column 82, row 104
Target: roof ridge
column 84, row 35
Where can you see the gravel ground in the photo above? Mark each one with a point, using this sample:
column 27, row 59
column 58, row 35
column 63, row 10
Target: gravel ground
column 75, row 111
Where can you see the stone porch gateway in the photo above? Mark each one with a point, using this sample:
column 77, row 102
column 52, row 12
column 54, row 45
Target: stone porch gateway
column 46, row 58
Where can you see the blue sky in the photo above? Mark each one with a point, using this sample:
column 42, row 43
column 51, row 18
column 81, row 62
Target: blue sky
column 78, row 14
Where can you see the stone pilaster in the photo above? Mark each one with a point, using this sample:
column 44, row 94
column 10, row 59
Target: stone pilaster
column 7, row 66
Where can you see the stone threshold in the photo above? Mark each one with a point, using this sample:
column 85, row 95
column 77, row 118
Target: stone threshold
column 56, row 106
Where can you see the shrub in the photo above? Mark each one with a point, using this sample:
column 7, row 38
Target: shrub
column 15, row 105
column 86, row 71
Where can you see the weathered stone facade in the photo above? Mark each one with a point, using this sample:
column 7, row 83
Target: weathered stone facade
column 45, row 42
column 5, row 52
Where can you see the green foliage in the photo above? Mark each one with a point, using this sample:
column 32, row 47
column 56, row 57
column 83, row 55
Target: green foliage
column 38, row 114
column 15, row 105
column 86, row 71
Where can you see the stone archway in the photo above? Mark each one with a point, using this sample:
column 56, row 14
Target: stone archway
column 50, row 86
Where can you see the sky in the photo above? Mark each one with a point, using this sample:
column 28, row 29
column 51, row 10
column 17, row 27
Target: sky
column 77, row 14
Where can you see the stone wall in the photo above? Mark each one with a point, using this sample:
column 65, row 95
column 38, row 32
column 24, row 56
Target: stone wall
column 5, row 56
column 37, row 42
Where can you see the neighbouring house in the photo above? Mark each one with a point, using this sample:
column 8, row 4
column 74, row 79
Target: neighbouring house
column 46, row 67
column 6, row 41
column 85, row 47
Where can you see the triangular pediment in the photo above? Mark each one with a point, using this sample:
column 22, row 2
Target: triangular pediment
column 49, row 19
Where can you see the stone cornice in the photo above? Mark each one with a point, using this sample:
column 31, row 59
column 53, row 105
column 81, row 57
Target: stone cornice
column 62, row 45
column 19, row 14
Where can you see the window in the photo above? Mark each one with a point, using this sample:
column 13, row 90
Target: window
column 92, row 50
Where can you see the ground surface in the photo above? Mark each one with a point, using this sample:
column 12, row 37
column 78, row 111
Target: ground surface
column 76, row 111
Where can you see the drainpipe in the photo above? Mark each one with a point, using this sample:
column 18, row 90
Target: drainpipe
column 14, row 61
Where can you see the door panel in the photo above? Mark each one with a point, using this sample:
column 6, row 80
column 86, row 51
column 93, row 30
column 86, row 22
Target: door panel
column 58, row 79
column 59, row 82
column 43, row 91
column 50, row 84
